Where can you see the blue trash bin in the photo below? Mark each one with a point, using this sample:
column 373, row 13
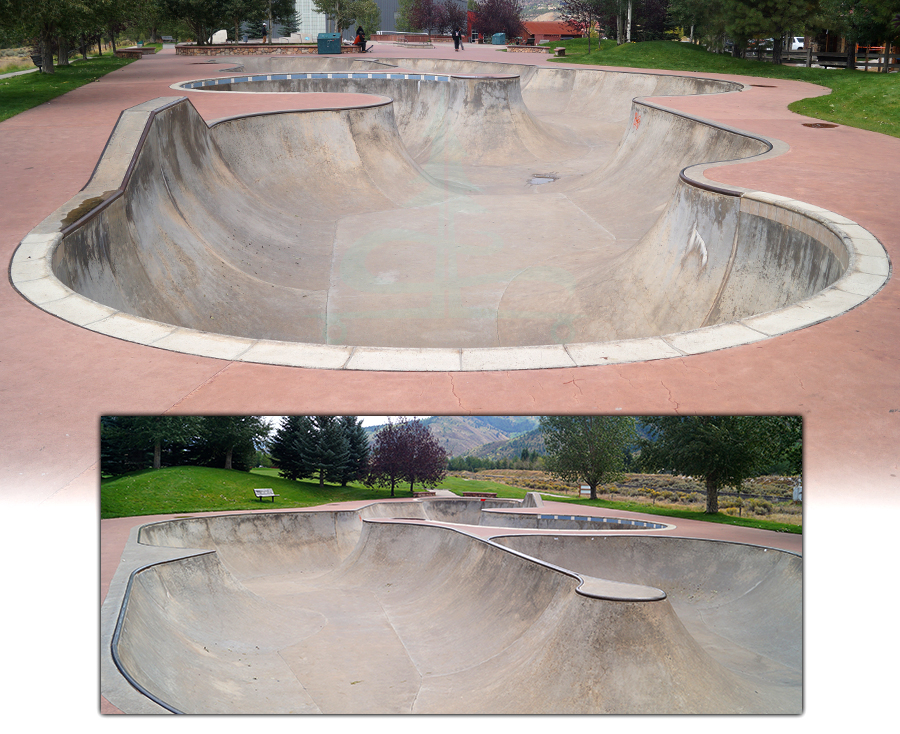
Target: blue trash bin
column 329, row 43
column 498, row 39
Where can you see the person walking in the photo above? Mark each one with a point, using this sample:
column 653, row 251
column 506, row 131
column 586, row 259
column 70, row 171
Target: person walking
column 456, row 35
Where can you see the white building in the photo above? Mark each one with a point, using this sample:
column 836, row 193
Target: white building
column 313, row 23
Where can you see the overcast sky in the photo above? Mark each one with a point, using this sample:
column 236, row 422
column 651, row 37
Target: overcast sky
column 367, row 420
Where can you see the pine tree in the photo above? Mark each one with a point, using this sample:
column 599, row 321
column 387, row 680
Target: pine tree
column 358, row 442
column 285, row 448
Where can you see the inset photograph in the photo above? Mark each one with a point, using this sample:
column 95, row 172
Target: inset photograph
column 587, row 564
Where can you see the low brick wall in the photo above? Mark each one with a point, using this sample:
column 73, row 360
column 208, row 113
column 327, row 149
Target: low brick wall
column 252, row 49
column 528, row 49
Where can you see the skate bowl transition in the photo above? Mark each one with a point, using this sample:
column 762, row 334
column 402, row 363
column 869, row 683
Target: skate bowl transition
column 452, row 216
column 400, row 607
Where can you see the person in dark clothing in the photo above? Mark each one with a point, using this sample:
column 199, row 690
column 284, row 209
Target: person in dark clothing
column 360, row 39
column 456, row 35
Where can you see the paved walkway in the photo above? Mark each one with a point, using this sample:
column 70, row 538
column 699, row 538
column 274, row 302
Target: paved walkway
column 843, row 376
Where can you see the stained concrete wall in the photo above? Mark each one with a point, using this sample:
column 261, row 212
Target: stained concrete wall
column 425, row 619
column 239, row 229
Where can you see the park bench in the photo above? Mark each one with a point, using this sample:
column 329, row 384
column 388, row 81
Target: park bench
column 831, row 59
column 37, row 60
column 479, row 494
column 559, row 51
column 265, row 492
column 167, row 39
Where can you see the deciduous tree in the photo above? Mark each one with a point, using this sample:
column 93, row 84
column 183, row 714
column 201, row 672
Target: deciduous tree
column 406, row 451
column 723, row 451
column 223, row 437
column 387, row 459
column 426, row 458
column 500, row 16
column 589, row 449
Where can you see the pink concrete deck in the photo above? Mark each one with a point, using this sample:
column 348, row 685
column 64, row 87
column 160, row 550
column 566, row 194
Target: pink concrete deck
column 842, row 376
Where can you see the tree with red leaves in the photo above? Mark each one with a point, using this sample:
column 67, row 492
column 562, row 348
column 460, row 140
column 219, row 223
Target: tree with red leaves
column 499, row 16
column 427, row 462
column 406, row 451
column 439, row 16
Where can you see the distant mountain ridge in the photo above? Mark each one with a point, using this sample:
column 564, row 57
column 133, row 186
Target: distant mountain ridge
column 539, row 9
column 461, row 435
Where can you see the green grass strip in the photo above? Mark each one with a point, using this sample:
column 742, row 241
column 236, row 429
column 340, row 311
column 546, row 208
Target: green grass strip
column 865, row 100
column 20, row 93
column 181, row 489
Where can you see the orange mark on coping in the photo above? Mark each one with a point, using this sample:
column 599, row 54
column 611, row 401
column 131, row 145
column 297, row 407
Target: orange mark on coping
column 637, row 120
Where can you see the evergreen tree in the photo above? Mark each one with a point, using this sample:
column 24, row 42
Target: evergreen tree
column 330, row 451
column 358, row 442
column 285, row 448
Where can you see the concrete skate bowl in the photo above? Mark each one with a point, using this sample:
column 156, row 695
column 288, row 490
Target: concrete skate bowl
column 329, row 612
column 407, row 233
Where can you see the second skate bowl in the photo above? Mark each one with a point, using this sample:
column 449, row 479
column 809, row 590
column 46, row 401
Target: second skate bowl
column 342, row 612
column 493, row 217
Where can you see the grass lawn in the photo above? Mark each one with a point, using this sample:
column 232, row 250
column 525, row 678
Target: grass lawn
column 200, row 489
column 859, row 99
column 20, row 93
column 181, row 489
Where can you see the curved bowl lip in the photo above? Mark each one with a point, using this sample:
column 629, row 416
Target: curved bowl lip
column 868, row 271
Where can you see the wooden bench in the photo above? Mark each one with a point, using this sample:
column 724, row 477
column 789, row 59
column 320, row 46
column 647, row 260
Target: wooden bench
column 479, row 494
column 559, row 51
column 37, row 60
column 831, row 59
column 167, row 39
column 265, row 492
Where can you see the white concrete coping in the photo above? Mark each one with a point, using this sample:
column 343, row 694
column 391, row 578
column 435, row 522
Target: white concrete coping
column 867, row 273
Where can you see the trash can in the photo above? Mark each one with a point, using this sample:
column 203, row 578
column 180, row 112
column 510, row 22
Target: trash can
column 498, row 39
column 329, row 43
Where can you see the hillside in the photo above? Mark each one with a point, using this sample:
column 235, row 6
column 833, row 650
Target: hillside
column 539, row 9
column 460, row 435
column 511, row 448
